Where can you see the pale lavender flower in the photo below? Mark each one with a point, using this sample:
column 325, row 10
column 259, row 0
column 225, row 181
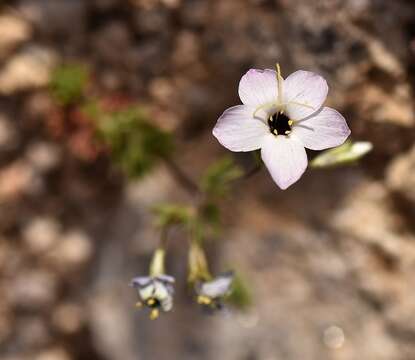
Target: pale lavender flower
column 281, row 117
column 155, row 292
column 211, row 293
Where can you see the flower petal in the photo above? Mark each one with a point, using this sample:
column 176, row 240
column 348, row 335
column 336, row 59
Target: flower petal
column 304, row 92
column 322, row 130
column 166, row 278
column 140, row 281
column 285, row 158
column 258, row 87
column 218, row 287
column 238, row 130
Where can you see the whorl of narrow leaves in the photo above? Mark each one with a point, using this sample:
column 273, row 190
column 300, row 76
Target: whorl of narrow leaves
column 68, row 83
column 135, row 144
column 217, row 180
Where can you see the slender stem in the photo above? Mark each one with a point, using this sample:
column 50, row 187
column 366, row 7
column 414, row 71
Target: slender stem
column 181, row 177
column 164, row 237
column 251, row 172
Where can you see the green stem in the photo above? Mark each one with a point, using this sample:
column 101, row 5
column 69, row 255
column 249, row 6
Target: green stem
column 181, row 177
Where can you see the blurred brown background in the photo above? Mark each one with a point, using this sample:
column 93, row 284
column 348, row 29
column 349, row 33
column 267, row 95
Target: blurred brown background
column 331, row 261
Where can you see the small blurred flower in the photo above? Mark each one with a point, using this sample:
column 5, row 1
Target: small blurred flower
column 155, row 292
column 349, row 152
column 282, row 118
column 198, row 264
column 212, row 293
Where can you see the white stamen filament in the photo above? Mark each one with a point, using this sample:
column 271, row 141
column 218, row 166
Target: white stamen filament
column 270, row 104
column 279, row 107
column 301, row 104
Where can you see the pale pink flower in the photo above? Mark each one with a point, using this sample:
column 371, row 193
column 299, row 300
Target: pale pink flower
column 281, row 117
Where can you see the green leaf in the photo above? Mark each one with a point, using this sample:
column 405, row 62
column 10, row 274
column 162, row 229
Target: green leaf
column 135, row 144
column 241, row 295
column 347, row 153
column 68, row 83
column 172, row 214
column 210, row 219
column 217, row 180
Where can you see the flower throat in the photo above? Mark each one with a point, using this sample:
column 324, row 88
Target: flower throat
column 279, row 124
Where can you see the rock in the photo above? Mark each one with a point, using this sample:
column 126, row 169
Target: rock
column 145, row 4
column 39, row 106
column 68, row 318
column 151, row 21
column 73, row 250
column 41, row 234
column 195, row 13
column 6, row 321
column 33, row 331
column 51, row 16
column 33, row 289
column 111, row 325
column 55, row 353
column 43, row 156
column 380, row 251
column 371, row 205
column 8, row 133
column 393, row 107
column 105, row 4
column 113, row 43
column 162, row 90
column 30, row 68
column 186, row 50
column 172, row 4
column 14, row 31
column 400, row 175
column 16, row 179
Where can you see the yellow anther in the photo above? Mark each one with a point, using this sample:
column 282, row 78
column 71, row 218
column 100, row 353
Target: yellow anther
column 151, row 302
column 290, row 122
column 204, row 300
column 154, row 314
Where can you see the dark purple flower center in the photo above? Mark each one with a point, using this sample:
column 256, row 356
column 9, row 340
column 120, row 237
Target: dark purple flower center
column 279, row 124
column 153, row 303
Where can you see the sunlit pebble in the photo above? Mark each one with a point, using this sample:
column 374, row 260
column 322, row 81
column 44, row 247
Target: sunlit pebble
column 172, row 4
column 15, row 180
column 33, row 289
column 43, row 156
column 333, row 337
column 248, row 321
column 162, row 89
column 41, row 234
column 53, row 354
column 67, row 318
column 74, row 249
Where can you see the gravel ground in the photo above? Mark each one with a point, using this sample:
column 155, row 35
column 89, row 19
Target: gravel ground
column 331, row 261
